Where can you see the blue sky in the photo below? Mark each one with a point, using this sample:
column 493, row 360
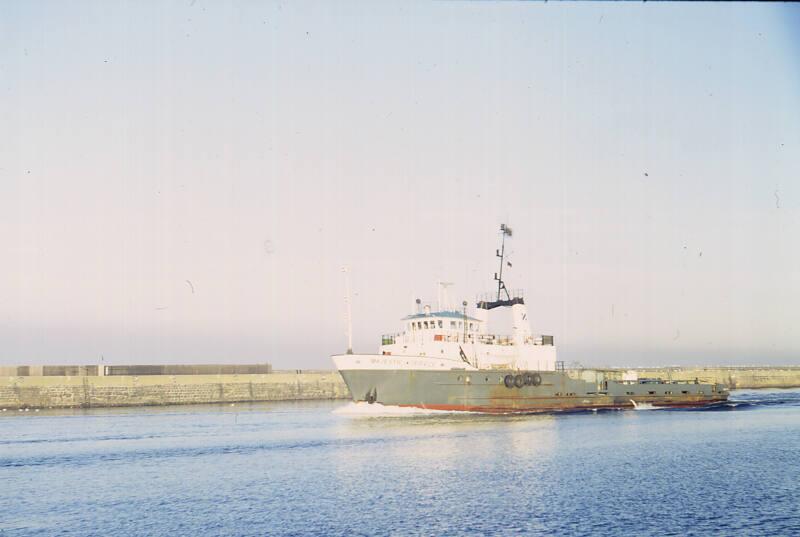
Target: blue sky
column 645, row 154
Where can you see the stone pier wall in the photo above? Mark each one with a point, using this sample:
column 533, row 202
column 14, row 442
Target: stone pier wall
column 733, row 377
column 91, row 391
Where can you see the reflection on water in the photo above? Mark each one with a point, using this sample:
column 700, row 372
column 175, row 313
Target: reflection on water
column 327, row 468
column 443, row 440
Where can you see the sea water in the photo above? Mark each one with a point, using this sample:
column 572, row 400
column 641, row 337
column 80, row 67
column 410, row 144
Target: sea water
column 337, row 468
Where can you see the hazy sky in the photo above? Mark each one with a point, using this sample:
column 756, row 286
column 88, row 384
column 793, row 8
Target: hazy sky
column 182, row 181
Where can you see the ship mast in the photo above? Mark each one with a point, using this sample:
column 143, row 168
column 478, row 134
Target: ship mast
column 501, row 286
column 348, row 309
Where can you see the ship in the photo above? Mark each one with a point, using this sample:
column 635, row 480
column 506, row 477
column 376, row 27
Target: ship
column 446, row 359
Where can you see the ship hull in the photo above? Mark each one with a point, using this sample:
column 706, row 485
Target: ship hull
column 487, row 391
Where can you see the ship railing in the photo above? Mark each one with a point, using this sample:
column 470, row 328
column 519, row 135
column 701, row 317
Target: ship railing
column 486, row 339
column 659, row 381
column 405, row 337
column 491, row 339
column 492, row 295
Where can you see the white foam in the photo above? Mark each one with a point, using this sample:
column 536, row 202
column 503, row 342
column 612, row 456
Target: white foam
column 378, row 410
column 644, row 406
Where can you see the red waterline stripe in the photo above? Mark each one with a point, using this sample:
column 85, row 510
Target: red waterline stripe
column 500, row 410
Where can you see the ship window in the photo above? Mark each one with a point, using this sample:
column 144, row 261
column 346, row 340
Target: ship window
column 440, row 323
column 452, row 324
column 419, row 325
column 426, row 324
column 684, row 391
column 471, row 327
column 652, row 393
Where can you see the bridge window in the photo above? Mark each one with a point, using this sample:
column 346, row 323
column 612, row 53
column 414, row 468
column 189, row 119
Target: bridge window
column 426, row 324
column 440, row 323
column 452, row 324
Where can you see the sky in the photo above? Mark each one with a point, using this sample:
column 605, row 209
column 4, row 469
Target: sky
column 183, row 181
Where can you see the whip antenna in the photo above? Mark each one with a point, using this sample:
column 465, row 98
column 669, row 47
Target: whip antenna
column 348, row 309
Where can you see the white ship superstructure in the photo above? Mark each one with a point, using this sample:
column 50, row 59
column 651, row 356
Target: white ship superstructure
column 466, row 339
column 442, row 339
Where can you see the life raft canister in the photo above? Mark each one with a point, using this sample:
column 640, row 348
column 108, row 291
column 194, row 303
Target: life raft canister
column 519, row 381
column 537, row 379
column 509, row 381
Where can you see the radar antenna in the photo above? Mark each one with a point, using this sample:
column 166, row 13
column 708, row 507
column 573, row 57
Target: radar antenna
column 501, row 286
column 443, row 302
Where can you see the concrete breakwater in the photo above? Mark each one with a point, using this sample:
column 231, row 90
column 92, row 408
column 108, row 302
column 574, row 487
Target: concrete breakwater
column 732, row 377
column 127, row 390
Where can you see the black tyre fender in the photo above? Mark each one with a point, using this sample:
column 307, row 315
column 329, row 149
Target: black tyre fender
column 528, row 377
column 519, row 382
column 509, row 381
column 537, row 379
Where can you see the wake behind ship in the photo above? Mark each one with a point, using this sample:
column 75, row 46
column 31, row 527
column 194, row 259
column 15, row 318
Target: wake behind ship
column 448, row 360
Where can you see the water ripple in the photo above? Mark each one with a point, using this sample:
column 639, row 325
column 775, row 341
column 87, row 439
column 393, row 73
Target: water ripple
column 284, row 469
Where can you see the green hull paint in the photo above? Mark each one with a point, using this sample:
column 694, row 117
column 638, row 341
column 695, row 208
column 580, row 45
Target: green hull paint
column 485, row 391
